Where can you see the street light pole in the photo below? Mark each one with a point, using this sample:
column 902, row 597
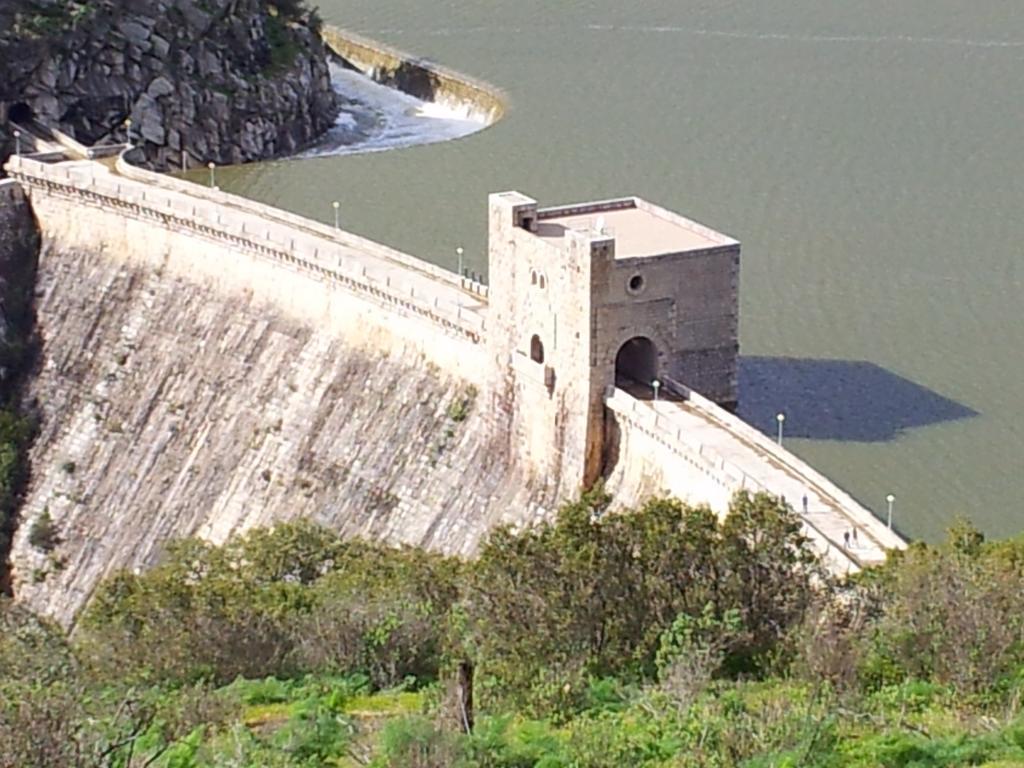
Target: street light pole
column 17, row 142
column 458, row 252
column 213, row 173
column 336, row 205
column 128, row 128
column 889, row 499
column 780, row 417
column 656, row 385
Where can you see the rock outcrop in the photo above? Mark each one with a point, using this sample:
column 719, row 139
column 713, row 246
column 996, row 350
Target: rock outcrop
column 227, row 81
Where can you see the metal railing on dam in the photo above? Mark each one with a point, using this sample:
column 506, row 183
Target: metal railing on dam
column 734, row 456
column 368, row 270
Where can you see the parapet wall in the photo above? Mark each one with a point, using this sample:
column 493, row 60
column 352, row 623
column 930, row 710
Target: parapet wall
column 318, row 274
column 698, row 451
column 422, row 79
column 126, row 168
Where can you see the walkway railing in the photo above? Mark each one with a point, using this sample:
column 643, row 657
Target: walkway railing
column 380, row 280
column 764, row 444
column 343, row 238
column 842, row 511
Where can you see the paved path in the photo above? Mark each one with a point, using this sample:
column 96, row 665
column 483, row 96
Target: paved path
column 310, row 240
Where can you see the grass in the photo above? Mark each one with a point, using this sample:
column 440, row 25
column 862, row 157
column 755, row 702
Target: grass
column 262, row 715
column 388, row 703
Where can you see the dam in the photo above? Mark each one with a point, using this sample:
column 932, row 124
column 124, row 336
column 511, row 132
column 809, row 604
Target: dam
column 212, row 364
column 468, row 405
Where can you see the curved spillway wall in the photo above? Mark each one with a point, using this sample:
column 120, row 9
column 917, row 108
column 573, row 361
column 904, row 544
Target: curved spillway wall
column 425, row 80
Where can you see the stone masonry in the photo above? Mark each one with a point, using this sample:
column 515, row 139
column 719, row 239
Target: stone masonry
column 210, row 364
column 582, row 296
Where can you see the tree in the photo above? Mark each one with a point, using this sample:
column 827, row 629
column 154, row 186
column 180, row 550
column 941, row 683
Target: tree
column 591, row 594
column 767, row 571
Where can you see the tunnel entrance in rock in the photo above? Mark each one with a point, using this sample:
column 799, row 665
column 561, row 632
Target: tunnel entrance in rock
column 636, row 362
column 20, row 112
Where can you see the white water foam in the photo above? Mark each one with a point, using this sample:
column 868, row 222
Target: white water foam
column 376, row 118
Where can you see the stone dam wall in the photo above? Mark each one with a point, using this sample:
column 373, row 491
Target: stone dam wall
column 232, row 244
column 171, row 407
column 210, row 364
column 695, row 450
column 205, row 371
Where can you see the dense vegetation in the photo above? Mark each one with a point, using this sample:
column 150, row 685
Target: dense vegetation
column 19, row 248
column 661, row 637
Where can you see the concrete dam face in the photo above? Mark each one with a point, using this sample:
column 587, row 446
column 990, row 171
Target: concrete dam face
column 172, row 408
column 209, row 364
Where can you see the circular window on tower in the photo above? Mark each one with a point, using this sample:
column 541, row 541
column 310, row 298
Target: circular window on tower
column 636, row 284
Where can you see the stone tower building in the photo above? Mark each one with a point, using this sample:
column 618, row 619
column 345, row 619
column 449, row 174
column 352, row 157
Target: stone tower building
column 587, row 297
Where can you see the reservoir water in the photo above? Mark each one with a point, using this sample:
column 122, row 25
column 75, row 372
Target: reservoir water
column 868, row 154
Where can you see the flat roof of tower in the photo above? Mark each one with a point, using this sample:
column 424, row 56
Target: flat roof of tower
column 639, row 228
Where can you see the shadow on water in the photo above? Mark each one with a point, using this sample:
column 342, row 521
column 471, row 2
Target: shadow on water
column 849, row 400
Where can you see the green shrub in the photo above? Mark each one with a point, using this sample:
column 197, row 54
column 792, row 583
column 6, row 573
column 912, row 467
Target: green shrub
column 416, row 742
column 43, row 533
column 462, row 404
column 283, row 46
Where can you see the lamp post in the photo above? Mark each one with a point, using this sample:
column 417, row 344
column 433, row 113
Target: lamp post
column 336, row 205
column 17, row 142
column 213, row 173
column 459, row 252
column 780, row 418
column 128, row 128
column 656, row 385
column 889, row 499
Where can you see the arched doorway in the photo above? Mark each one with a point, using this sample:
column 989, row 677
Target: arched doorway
column 536, row 349
column 20, row 113
column 637, row 361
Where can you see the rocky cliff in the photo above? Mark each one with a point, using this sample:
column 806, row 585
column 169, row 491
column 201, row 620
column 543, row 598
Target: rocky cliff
column 227, row 81
column 170, row 408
